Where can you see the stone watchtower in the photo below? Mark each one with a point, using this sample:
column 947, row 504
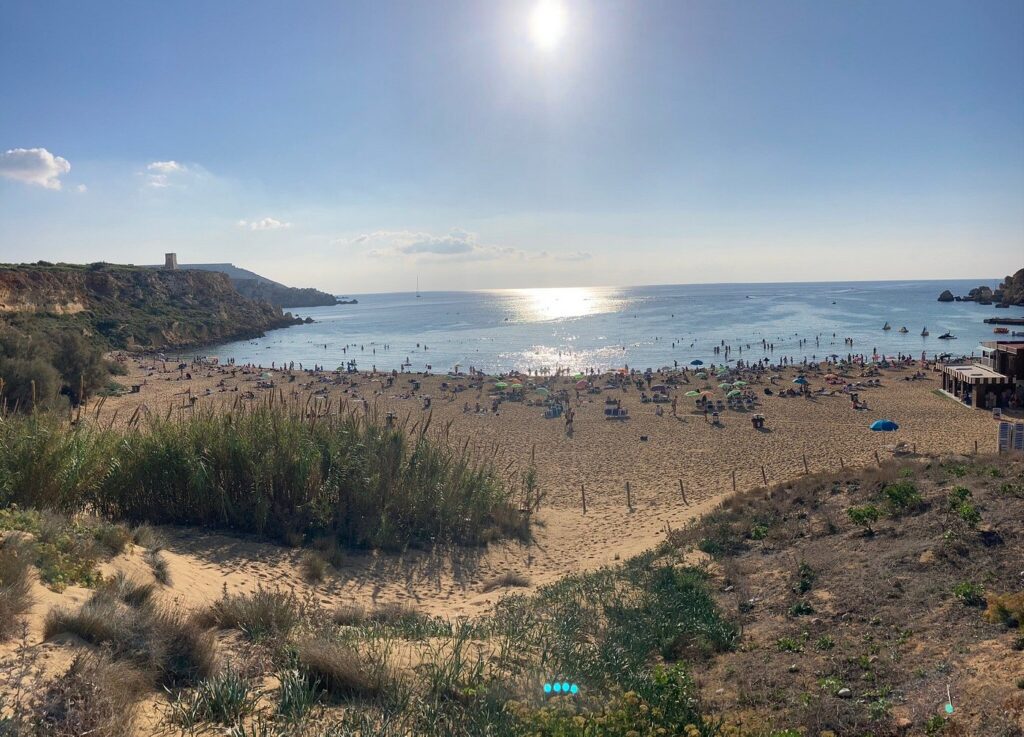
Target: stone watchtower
column 170, row 261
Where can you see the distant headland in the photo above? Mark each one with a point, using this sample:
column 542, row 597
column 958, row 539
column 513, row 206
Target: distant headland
column 1010, row 292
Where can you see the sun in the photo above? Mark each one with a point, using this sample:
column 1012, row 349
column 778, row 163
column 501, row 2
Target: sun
column 547, row 24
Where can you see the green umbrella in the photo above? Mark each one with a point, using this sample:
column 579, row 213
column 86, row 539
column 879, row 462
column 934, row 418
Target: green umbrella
column 701, row 375
column 543, row 390
column 734, row 393
column 739, row 383
column 500, row 385
column 577, row 376
column 693, row 393
column 725, row 385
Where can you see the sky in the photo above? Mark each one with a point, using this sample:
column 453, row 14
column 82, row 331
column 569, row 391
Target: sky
column 356, row 146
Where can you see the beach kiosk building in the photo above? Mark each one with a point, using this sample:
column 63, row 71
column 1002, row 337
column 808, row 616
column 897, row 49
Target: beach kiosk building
column 996, row 379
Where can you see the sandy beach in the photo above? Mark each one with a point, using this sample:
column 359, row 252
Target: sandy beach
column 663, row 458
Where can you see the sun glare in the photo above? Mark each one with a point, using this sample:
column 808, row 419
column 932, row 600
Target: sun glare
column 547, row 24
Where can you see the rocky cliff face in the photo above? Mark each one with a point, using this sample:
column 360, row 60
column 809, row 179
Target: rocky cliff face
column 134, row 307
column 1011, row 291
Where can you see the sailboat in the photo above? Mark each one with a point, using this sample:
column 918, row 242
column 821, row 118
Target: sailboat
column 417, row 286
column 924, row 332
column 904, row 329
column 887, row 326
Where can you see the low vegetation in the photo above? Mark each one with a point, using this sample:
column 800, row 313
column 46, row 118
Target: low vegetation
column 267, row 470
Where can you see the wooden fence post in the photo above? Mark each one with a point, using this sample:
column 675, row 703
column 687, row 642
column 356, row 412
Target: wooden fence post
column 841, row 464
column 879, row 462
column 764, row 476
column 683, row 492
column 806, row 467
column 583, row 492
column 629, row 497
column 734, row 479
column 975, row 447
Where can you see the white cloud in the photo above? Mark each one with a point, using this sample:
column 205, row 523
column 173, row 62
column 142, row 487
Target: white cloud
column 264, row 224
column 457, row 245
column 162, row 174
column 81, row 188
column 34, row 166
column 166, row 167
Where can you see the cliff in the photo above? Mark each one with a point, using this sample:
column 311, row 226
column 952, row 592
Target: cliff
column 133, row 307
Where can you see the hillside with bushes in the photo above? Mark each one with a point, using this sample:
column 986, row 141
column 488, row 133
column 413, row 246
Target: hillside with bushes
column 56, row 321
column 252, row 285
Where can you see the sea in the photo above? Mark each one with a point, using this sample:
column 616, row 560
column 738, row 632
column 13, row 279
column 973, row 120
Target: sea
column 607, row 328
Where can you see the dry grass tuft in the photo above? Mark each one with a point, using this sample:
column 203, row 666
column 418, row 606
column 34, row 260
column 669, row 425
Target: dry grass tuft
column 261, row 614
column 171, row 648
column 15, row 586
column 390, row 613
column 97, row 696
column 338, row 669
column 313, row 566
column 505, row 581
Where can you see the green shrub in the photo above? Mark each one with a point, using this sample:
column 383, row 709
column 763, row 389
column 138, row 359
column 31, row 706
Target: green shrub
column 800, row 609
column 902, row 498
column 971, row 594
column 865, row 516
column 825, row 642
column 297, row 695
column 224, row 698
column 805, row 578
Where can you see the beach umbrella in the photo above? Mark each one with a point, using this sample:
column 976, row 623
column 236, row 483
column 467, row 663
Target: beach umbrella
column 701, row 375
column 577, row 375
column 884, row 426
column 740, row 383
column 831, row 376
column 500, row 385
column 696, row 362
column 707, row 394
column 543, row 390
column 264, row 375
column 800, row 380
column 693, row 393
column 734, row 393
column 581, row 384
column 725, row 385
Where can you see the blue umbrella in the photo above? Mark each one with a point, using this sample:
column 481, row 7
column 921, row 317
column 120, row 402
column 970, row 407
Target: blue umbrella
column 884, row 426
column 696, row 362
column 800, row 380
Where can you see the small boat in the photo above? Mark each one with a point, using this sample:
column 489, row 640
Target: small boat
column 924, row 332
column 904, row 329
column 947, row 336
column 887, row 326
column 1001, row 331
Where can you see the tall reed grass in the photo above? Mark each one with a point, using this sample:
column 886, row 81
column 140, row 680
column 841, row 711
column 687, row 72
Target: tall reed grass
column 267, row 469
